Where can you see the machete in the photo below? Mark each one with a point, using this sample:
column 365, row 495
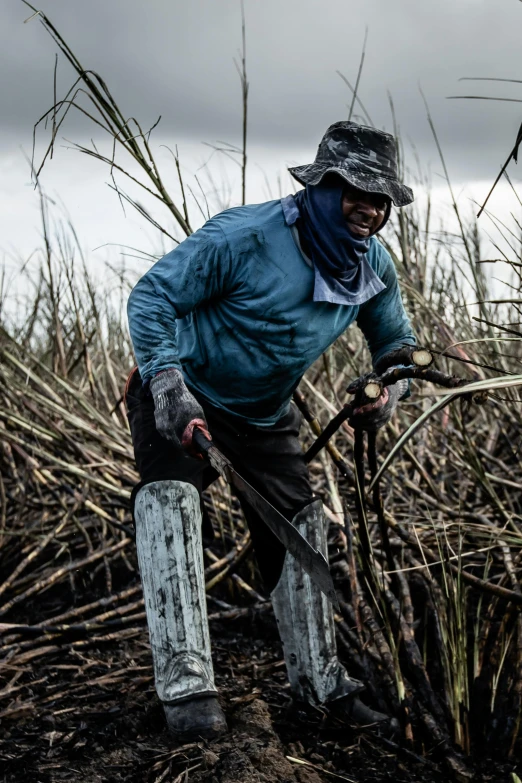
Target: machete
column 311, row 560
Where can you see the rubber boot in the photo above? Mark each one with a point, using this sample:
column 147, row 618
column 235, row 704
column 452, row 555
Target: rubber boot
column 200, row 718
column 306, row 624
column 354, row 711
column 170, row 556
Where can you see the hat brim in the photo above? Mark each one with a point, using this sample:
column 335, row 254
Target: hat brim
column 313, row 173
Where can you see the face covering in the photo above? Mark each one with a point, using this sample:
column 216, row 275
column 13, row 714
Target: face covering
column 342, row 272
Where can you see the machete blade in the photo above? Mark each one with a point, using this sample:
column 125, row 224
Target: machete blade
column 311, row 560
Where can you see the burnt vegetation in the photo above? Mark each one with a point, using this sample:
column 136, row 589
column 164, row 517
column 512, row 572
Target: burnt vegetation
column 425, row 530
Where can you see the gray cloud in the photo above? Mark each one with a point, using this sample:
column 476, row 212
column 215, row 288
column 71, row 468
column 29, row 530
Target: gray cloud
column 174, row 58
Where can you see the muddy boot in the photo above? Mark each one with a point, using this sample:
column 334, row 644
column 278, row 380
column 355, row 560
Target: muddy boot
column 195, row 719
column 355, row 712
column 306, row 624
column 170, row 555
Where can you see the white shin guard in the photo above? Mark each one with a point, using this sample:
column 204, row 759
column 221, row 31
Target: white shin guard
column 170, row 555
column 306, row 623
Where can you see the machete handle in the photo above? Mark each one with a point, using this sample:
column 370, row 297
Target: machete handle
column 200, row 441
column 207, row 449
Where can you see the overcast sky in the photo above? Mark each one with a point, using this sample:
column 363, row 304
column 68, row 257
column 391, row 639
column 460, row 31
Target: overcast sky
column 175, row 58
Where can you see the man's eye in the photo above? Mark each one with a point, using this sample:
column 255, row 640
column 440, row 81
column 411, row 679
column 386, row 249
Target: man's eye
column 351, row 195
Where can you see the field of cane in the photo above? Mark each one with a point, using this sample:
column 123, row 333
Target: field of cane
column 427, row 562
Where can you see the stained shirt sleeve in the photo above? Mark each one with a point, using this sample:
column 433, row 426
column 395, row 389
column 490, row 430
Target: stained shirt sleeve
column 195, row 272
column 383, row 319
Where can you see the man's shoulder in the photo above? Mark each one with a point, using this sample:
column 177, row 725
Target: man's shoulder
column 378, row 257
column 238, row 223
column 233, row 230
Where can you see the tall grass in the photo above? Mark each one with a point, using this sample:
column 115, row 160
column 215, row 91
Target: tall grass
column 434, row 623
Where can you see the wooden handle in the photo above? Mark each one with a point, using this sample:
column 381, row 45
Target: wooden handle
column 200, row 441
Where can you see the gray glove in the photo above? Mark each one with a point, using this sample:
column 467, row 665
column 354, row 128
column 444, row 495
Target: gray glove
column 176, row 410
column 374, row 415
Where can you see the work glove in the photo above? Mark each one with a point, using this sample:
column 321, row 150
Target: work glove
column 176, row 410
column 374, row 415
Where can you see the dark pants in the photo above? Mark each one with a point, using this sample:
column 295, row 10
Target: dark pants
column 269, row 458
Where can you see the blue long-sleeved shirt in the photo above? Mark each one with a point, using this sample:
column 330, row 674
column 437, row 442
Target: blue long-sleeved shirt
column 232, row 307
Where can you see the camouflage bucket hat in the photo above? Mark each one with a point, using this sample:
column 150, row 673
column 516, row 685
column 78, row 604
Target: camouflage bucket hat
column 365, row 157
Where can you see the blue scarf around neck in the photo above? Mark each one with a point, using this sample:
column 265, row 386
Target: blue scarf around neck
column 342, row 272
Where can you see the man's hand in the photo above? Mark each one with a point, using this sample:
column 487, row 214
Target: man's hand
column 176, row 410
column 374, row 415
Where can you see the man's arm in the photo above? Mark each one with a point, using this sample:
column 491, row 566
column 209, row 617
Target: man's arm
column 383, row 319
column 386, row 327
column 196, row 271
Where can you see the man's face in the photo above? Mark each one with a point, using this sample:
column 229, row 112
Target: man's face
column 364, row 212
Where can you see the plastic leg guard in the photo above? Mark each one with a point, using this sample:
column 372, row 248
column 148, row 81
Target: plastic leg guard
column 170, row 555
column 306, row 624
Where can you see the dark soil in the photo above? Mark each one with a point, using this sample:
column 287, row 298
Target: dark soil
column 96, row 719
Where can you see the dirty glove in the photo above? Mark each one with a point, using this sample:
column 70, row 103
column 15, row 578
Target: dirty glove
column 374, row 415
column 176, row 410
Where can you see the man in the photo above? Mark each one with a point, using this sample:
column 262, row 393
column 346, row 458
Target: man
column 223, row 328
